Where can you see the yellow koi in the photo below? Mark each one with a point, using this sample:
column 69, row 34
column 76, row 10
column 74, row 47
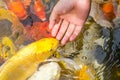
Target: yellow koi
column 7, row 48
column 23, row 64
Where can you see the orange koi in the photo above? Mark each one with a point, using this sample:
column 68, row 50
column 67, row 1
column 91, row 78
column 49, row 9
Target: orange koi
column 39, row 9
column 85, row 73
column 38, row 30
column 17, row 7
column 108, row 9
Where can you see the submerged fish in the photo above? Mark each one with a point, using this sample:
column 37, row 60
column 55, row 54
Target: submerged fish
column 7, row 49
column 108, row 10
column 39, row 9
column 98, row 15
column 11, row 27
column 25, row 62
column 18, row 8
column 37, row 31
column 85, row 73
column 97, row 51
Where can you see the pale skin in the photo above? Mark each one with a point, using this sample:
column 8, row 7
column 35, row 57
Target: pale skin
column 68, row 18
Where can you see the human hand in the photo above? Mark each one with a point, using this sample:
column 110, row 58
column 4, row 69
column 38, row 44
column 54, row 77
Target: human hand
column 68, row 18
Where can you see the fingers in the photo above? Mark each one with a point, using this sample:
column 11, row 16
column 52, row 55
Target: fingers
column 69, row 32
column 56, row 28
column 62, row 30
column 65, row 31
column 75, row 33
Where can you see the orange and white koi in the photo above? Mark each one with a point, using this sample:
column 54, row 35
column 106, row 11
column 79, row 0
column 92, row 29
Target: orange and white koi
column 39, row 9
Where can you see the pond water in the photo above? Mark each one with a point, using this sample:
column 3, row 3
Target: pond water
column 94, row 55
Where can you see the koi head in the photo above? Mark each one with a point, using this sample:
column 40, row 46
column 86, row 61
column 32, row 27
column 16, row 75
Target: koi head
column 39, row 10
column 47, row 44
column 46, row 48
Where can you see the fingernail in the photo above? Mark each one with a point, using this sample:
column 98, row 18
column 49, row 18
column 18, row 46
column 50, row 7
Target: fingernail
column 64, row 40
column 58, row 37
column 63, row 43
column 72, row 38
